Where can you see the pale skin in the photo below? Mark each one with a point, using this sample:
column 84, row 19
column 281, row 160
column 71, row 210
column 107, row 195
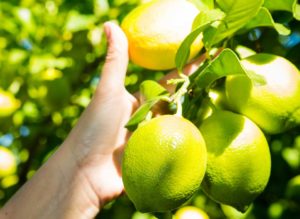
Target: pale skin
column 85, row 172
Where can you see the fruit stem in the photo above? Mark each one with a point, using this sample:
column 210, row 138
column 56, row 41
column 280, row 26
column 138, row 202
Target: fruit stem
column 177, row 96
column 149, row 116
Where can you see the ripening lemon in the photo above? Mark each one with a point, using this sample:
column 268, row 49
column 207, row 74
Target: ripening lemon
column 164, row 163
column 155, row 31
column 238, row 161
column 8, row 103
column 190, row 212
column 274, row 106
column 8, row 163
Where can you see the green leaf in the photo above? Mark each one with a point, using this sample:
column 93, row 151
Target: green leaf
column 284, row 5
column 227, row 63
column 142, row 112
column 238, row 12
column 264, row 19
column 151, row 93
column 183, row 52
column 140, row 115
column 297, row 12
column 208, row 16
column 201, row 22
column 150, row 89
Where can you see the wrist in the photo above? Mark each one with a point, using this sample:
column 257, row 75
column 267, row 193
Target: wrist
column 80, row 193
column 103, row 175
column 57, row 190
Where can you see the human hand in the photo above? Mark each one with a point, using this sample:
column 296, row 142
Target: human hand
column 98, row 139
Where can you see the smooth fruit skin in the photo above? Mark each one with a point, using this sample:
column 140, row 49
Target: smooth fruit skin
column 239, row 163
column 8, row 103
column 274, row 106
column 8, row 163
column 164, row 163
column 190, row 212
column 155, row 31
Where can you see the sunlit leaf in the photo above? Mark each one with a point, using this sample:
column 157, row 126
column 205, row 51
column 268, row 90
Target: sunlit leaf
column 201, row 22
column 264, row 19
column 284, row 5
column 151, row 93
column 141, row 113
column 150, row 89
column 227, row 63
column 238, row 13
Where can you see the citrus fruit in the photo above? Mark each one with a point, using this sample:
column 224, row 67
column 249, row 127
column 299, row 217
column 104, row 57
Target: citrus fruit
column 155, row 31
column 293, row 189
column 8, row 163
column 275, row 105
column 8, row 103
column 238, row 159
column 190, row 212
column 164, row 163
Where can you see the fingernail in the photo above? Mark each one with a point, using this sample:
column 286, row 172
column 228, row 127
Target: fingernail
column 107, row 29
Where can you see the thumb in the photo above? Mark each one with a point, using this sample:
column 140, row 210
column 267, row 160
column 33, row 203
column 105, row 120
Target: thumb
column 115, row 66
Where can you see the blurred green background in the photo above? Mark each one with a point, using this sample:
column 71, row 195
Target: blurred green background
column 51, row 54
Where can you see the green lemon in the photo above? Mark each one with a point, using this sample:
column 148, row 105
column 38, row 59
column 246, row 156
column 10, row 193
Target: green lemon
column 190, row 212
column 274, row 106
column 238, row 163
column 155, row 31
column 8, row 163
column 164, row 163
column 8, row 103
column 293, row 189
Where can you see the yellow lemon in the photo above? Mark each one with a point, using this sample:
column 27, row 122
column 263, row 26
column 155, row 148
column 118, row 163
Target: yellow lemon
column 155, row 31
column 274, row 106
column 239, row 163
column 164, row 163
column 8, row 163
column 190, row 212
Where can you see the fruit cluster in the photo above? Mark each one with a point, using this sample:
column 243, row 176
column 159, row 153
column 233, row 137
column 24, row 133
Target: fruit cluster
column 168, row 158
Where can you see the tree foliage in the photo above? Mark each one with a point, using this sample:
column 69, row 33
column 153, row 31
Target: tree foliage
column 51, row 54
